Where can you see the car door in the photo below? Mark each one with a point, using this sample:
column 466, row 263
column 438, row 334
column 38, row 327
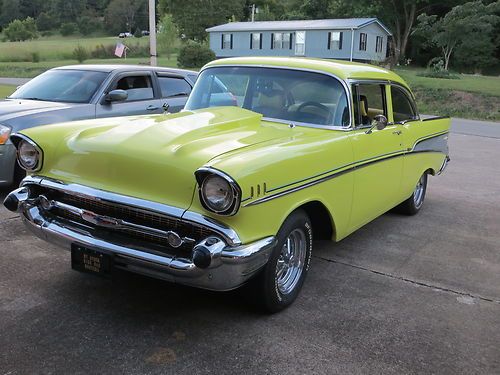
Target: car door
column 378, row 155
column 174, row 91
column 142, row 96
column 413, row 130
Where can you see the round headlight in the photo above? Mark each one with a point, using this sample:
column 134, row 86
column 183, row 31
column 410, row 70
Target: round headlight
column 217, row 193
column 28, row 155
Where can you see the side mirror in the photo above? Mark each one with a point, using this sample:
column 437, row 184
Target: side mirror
column 379, row 122
column 116, row 96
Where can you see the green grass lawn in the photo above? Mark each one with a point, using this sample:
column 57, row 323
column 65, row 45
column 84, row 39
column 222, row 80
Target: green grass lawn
column 470, row 96
column 58, row 47
column 467, row 82
column 29, row 69
column 6, row 90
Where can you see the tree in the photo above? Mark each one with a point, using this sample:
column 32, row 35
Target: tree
column 126, row 15
column 19, row 30
column 464, row 26
column 88, row 24
column 194, row 55
column 9, row 12
column 192, row 17
column 167, row 35
column 45, row 22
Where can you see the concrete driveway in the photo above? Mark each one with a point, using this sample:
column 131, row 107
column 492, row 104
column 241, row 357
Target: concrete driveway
column 402, row 295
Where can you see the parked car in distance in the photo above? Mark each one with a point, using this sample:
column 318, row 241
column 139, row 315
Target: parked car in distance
column 217, row 196
column 125, row 35
column 88, row 91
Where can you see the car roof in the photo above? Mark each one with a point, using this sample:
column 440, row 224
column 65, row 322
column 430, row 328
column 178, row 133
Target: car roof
column 342, row 69
column 108, row 68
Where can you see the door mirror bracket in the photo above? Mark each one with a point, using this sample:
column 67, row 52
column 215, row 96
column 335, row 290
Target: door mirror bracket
column 379, row 122
column 116, row 96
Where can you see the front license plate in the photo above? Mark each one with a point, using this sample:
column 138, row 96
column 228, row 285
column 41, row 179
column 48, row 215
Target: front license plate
column 91, row 261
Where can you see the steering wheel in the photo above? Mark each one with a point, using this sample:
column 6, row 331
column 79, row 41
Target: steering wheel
column 324, row 108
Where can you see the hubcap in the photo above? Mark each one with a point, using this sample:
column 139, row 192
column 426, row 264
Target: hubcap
column 418, row 194
column 291, row 261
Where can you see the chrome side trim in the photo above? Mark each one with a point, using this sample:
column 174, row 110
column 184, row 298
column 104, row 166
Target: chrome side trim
column 292, row 123
column 430, row 146
column 141, row 204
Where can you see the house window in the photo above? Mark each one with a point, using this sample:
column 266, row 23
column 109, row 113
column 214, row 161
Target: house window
column 227, row 41
column 378, row 46
column 362, row 42
column 335, row 40
column 256, row 41
column 281, row 41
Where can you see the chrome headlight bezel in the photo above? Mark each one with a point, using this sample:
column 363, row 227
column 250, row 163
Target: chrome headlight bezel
column 203, row 176
column 21, row 140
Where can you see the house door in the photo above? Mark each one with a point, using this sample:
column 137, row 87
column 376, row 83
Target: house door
column 300, row 43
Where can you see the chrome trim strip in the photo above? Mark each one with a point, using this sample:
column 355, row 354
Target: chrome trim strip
column 340, row 170
column 435, row 118
column 188, row 217
column 292, row 123
column 31, row 142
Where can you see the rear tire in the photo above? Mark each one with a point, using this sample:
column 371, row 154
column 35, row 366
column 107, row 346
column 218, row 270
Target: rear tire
column 279, row 283
column 412, row 205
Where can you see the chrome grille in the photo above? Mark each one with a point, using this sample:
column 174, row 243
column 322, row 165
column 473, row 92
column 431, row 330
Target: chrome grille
column 131, row 214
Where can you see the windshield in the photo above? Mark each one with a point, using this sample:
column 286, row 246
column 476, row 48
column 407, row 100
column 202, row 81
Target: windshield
column 71, row 86
column 283, row 94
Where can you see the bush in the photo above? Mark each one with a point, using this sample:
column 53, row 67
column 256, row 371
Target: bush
column 80, row 53
column 435, row 69
column 102, row 52
column 194, row 55
column 138, row 33
column 21, row 30
column 68, row 28
column 35, row 57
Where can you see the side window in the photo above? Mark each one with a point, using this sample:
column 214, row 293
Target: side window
column 369, row 101
column 171, row 86
column 402, row 107
column 137, row 87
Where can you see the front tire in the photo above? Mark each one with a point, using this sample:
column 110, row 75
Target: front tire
column 412, row 205
column 279, row 283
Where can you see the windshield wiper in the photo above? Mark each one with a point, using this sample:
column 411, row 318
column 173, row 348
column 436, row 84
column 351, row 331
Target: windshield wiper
column 34, row 98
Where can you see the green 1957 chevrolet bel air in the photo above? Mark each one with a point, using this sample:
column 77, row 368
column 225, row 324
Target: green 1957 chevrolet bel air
column 268, row 154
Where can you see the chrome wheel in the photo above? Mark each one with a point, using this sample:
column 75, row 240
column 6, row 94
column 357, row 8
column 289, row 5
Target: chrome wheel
column 418, row 194
column 291, row 261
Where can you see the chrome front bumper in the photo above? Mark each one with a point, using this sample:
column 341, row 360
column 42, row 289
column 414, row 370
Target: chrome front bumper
column 229, row 265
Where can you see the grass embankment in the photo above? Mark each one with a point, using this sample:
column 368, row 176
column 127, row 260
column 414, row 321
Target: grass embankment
column 471, row 96
column 6, row 90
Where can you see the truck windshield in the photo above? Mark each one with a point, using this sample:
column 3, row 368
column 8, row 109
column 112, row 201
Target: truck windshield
column 283, row 94
column 64, row 85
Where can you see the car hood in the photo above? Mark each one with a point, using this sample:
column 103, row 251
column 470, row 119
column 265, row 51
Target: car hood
column 16, row 107
column 149, row 157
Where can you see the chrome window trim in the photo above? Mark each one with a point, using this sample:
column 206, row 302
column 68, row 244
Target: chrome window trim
column 346, row 87
column 405, row 89
column 200, row 174
column 177, row 213
column 38, row 149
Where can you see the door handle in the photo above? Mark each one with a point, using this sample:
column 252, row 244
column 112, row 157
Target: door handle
column 152, row 108
column 397, row 132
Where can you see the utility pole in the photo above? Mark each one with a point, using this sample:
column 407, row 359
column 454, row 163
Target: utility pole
column 253, row 12
column 152, row 32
